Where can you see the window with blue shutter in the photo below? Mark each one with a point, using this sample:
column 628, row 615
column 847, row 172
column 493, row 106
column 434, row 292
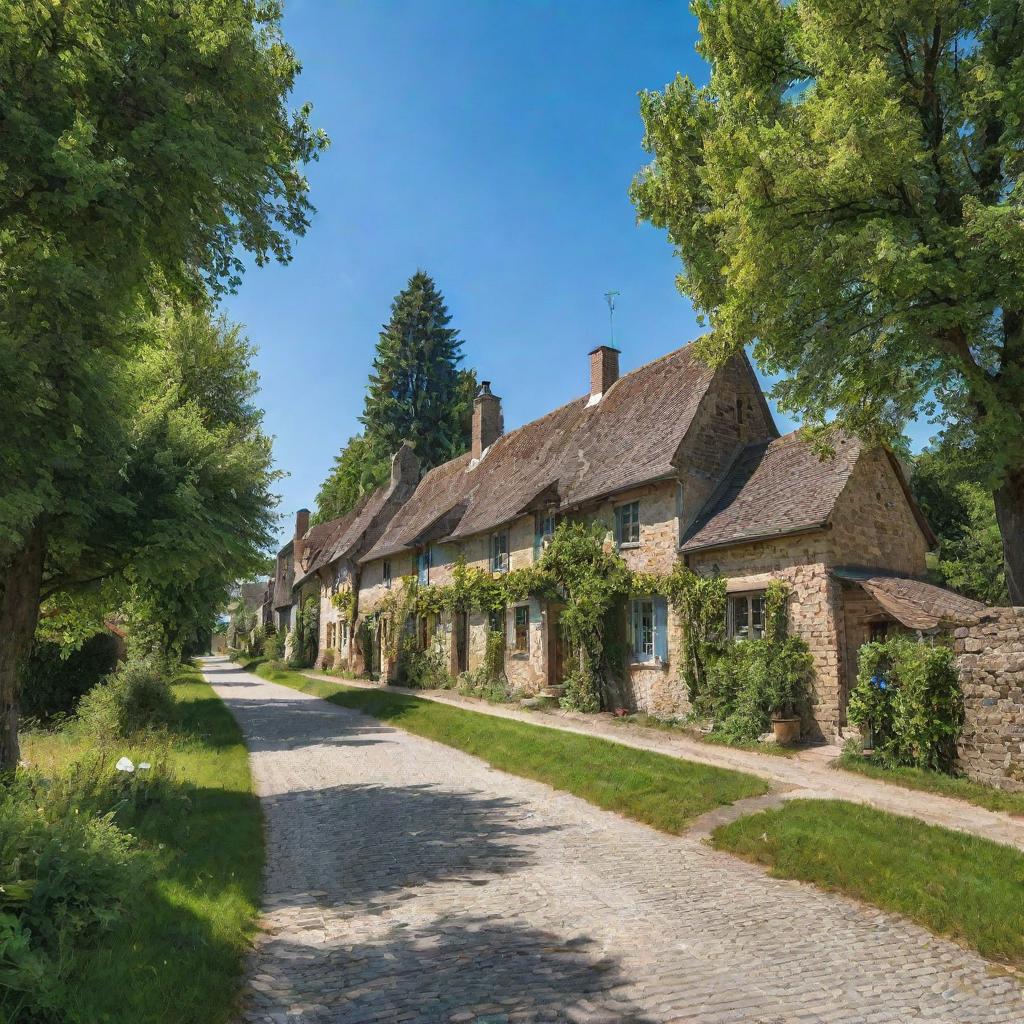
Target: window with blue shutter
column 423, row 567
column 661, row 628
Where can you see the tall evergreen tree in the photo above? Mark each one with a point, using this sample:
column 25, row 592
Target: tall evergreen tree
column 416, row 392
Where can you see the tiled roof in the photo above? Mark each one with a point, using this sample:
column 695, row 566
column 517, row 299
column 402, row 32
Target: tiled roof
column 573, row 455
column 918, row 605
column 773, row 489
column 328, row 541
column 251, row 595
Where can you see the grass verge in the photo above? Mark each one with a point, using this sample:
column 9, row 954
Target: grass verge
column 960, row 886
column 714, row 738
column 177, row 956
column 935, row 782
column 661, row 791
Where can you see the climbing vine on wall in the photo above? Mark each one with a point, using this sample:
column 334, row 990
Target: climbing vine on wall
column 345, row 602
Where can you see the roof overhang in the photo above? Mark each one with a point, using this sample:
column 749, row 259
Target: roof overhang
column 914, row 603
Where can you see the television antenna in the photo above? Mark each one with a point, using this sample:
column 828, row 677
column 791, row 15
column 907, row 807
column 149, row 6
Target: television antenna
column 610, row 298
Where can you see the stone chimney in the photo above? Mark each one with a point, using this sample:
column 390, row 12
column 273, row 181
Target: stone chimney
column 488, row 423
column 301, row 526
column 405, row 466
column 604, row 369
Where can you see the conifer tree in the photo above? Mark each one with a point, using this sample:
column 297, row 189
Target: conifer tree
column 416, row 392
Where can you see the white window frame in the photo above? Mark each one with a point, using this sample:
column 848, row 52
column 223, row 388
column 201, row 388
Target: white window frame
column 752, row 599
column 385, row 572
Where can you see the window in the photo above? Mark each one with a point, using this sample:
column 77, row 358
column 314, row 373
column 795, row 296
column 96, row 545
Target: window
column 641, row 630
column 499, row 551
column 344, row 634
column 330, row 634
column 648, row 629
column 627, row 523
column 423, row 567
column 543, row 530
column 746, row 616
column 385, row 572
column 521, row 635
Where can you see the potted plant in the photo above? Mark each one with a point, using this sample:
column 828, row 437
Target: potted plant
column 791, row 669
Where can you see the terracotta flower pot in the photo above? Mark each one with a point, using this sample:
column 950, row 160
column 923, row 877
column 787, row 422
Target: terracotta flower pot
column 786, row 729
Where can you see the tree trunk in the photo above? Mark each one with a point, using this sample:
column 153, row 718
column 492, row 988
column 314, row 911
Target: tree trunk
column 1009, row 500
column 19, row 613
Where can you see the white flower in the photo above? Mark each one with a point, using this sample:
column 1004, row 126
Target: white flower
column 124, row 765
column 144, row 766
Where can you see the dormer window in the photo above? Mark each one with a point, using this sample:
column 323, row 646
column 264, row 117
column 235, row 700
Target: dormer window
column 627, row 524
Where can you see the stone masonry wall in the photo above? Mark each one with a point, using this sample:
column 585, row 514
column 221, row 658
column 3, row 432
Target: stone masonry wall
column 815, row 606
column 990, row 658
column 873, row 525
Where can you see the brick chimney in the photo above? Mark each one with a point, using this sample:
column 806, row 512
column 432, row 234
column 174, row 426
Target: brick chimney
column 488, row 423
column 405, row 466
column 301, row 526
column 604, row 369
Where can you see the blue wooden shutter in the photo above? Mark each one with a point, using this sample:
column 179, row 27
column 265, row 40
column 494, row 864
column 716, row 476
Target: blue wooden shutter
column 538, row 536
column 661, row 628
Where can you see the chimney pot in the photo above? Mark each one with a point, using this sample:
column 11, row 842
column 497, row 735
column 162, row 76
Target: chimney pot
column 604, row 369
column 488, row 422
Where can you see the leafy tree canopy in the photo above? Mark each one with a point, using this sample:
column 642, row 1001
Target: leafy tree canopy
column 845, row 196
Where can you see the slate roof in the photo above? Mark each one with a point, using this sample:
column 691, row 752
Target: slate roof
column 773, row 489
column 573, row 455
column 918, row 605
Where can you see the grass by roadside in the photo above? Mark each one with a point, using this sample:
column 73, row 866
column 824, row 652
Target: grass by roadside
column 716, row 739
column 956, row 885
column 934, row 782
column 661, row 791
column 176, row 956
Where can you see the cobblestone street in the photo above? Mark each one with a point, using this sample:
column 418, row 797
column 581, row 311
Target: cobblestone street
column 407, row 881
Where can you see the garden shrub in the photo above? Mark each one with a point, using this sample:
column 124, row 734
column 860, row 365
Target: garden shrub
column 272, row 646
column 748, row 681
column 135, row 697
column 422, row 670
column 328, row 659
column 53, row 681
column 65, row 877
column 908, row 694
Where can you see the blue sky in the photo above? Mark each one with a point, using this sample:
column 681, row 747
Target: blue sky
column 492, row 144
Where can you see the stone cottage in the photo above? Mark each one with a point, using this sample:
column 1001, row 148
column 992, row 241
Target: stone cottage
column 678, row 461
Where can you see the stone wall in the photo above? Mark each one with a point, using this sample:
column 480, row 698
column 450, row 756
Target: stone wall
column 990, row 658
column 815, row 606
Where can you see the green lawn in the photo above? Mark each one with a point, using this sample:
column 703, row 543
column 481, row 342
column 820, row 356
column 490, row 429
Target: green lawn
column 969, row 889
column 661, row 791
column 935, row 782
column 176, row 958
column 714, row 738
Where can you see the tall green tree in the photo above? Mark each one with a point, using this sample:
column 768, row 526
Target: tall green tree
column 845, row 195
column 416, row 392
column 145, row 147
column 961, row 512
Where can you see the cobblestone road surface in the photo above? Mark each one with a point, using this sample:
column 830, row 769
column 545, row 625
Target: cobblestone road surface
column 407, row 881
